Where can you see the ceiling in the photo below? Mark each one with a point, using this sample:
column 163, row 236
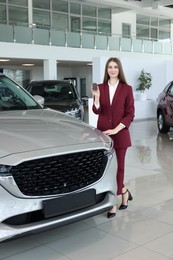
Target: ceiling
column 38, row 63
column 161, row 8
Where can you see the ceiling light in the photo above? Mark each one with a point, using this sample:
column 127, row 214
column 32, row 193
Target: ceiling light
column 89, row 64
column 28, row 64
column 4, row 60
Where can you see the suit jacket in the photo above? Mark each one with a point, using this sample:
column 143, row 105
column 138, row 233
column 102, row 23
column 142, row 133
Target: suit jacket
column 120, row 111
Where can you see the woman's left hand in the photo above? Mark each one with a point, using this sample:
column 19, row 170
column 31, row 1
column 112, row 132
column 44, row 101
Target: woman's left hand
column 110, row 131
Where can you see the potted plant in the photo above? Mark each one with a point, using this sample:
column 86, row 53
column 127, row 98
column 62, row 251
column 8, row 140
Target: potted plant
column 145, row 82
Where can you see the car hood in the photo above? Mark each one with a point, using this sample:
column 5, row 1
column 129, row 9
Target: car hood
column 65, row 106
column 37, row 133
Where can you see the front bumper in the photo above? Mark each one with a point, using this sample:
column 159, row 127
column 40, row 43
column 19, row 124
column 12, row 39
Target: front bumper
column 14, row 211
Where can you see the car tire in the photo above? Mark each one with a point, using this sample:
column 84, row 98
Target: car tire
column 162, row 127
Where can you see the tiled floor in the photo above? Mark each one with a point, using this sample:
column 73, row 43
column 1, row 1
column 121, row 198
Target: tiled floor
column 144, row 231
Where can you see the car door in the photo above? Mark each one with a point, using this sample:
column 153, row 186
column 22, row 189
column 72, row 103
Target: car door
column 169, row 105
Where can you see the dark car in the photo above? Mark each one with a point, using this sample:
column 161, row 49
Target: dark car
column 165, row 109
column 59, row 95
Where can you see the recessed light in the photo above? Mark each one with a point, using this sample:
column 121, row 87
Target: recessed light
column 28, row 64
column 4, row 60
column 89, row 64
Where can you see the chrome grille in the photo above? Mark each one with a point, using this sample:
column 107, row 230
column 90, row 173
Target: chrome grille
column 59, row 174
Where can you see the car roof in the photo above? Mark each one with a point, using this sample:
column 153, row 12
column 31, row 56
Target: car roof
column 50, row 81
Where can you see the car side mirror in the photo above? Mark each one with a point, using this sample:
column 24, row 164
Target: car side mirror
column 39, row 100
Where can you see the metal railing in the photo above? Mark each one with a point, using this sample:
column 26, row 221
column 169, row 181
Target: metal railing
column 40, row 35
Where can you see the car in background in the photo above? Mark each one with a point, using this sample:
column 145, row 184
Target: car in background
column 54, row 169
column 165, row 109
column 59, row 95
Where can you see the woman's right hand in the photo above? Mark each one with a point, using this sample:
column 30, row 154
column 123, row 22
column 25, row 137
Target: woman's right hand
column 95, row 93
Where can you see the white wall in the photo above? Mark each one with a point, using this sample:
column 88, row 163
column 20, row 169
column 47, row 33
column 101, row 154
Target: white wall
column 125, row 17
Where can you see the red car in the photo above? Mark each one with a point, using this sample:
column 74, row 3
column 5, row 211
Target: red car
column 165, row 109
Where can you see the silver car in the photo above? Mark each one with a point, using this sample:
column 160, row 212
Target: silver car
column 54, row 169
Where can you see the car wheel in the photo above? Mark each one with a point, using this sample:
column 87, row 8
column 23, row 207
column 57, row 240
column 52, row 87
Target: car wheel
column 162, row 127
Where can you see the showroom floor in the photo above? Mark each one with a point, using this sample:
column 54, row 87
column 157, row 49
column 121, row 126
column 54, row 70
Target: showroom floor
column 144, row 231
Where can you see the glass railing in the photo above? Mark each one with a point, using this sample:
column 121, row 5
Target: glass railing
column 66, row 38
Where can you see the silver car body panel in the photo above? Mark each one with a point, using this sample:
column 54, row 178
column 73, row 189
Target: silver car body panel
column 32, row 134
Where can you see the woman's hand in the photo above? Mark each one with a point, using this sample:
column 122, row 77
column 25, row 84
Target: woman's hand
column 115, row 130
column 110, row 131
column 96, row 93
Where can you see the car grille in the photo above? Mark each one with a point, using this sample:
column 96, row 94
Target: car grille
column 59, row 174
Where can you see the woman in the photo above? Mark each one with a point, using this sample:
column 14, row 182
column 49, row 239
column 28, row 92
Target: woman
column 114, row 104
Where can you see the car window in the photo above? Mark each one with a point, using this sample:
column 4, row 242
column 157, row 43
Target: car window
column 170, row 90
column 53, row 92
column 13, row 97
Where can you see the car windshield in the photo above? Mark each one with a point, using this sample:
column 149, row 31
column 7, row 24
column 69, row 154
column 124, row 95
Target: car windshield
column 53, row 92
column 13, row 97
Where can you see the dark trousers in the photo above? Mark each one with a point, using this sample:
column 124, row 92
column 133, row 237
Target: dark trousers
column 120, row 153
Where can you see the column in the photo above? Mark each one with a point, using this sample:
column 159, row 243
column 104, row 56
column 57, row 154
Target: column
column 50, row 69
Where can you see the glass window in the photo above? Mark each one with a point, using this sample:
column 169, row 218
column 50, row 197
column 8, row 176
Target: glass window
column 164, row 23
column 126, row 30
column 41, row 18
column 18, row 15
column 104, row 27
column 141, row 19
column 2, row 1
column 154, row 21
column 104, row 13
column 59, row 21
column 89, row 25
column 89, row 10
column 75, row 24
column 2, row 13
column 43, row 4
column 61, row 6
column 154, row 33
column 22, row 77
column 18, row 2
column 164, row 35
column 142, row 32
column 74, row 8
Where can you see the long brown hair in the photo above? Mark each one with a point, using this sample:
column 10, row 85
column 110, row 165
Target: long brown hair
column 121, row 75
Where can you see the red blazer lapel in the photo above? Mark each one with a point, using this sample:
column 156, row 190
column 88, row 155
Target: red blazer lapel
column 114, row 100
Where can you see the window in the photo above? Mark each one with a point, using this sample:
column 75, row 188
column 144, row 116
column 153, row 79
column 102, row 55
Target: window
column 60, row 6
column 18, row 15
column 126, row 30
column 59, row 21
column 18, row 2
column 75, row 8
column 41, row 18
column 153, row 28
column 104, row 13
column 89, row 25
column 2, row 13
column 43, row 4
column 89, row 10
column 104, row 27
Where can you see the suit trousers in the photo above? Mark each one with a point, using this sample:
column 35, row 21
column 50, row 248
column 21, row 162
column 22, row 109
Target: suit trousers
column 120, row 153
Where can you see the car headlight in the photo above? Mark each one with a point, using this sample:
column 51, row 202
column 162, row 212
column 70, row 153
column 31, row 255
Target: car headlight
column 4, row 169
column 111, row 150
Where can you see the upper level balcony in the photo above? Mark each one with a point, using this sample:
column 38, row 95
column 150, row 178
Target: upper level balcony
column 77, row 39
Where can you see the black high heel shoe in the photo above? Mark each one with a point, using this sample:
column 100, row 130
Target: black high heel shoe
column 111, row 214
column 122, row 206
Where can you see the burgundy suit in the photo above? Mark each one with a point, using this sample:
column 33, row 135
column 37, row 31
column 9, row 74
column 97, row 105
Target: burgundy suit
column 109, row 116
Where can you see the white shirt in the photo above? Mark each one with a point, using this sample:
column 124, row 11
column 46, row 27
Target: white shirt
column 112, row 89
